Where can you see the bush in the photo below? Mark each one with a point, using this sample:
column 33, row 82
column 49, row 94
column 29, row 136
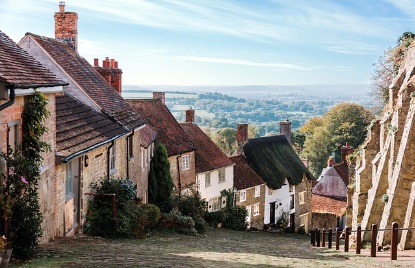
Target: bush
column 193, row 206
column 214, row 218
column 235, row 218
column 176, row 222
column 144, row 218
column 100, row 219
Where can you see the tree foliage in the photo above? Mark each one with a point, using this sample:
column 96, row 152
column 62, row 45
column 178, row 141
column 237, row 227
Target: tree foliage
column 345, row 122
column 225, row 139
column 160, row 182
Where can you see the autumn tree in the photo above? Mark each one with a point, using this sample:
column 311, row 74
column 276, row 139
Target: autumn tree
column 225, row 139
column 345, row 122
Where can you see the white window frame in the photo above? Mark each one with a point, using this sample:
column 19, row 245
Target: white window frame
column 303, row 219
column 257, row 191
column 221, row 175
column 242, row 195
column 256, row 209
column 207, row 179
column 69, row 181
column 13, row 128
column 112, row 158
column 185, row 162
column 301, row 197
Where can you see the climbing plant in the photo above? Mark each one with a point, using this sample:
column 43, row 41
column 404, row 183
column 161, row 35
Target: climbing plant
column 20, row 211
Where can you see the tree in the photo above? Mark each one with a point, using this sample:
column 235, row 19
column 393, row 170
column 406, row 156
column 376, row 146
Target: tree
column 225, row 139
column 160, row 182
column 345, row 122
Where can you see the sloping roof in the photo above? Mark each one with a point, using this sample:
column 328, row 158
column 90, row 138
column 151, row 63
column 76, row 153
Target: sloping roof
column 91, row 82
column 274, row 160
column 79, row 127
column 343, row 171
column 147, row 136
column 208, row 155
column 17, row 67
column 169, row 132
column 325, row 204
column 243, row 175
column 331, row 184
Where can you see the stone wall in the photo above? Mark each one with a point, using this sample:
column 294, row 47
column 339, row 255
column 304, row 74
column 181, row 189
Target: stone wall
column 186, row 178
column 301, row 209
column 258, row 220
column 324, row 221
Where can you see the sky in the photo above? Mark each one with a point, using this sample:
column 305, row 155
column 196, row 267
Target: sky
column 226, row 42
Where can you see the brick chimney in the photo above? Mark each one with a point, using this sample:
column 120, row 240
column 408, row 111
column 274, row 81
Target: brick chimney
column 66, row 26
column 111, row 73
column 190, row 115
column 345, row 150
column 241, row 137
column 161, row 96
column 285, row 129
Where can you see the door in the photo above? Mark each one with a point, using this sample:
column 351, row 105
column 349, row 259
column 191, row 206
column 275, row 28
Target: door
column 72, row 198
column 272, row 213
column 248, row 216
column 292, row 223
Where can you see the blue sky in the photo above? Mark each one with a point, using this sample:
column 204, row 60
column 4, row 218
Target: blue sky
column 225, row 42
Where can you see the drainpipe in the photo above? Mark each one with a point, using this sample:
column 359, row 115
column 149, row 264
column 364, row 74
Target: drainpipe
column 108, row 159
column 179, row 183
column 128, row 154
column 12, row 97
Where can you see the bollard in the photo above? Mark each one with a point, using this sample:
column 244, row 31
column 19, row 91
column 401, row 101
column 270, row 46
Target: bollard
column 318, row 237
column 338, row 238
column 394, row 241
column 323, row 238
column 358, row 239
column 330, row 237
column 346, row 239
column 313, row 237
column 373, row 246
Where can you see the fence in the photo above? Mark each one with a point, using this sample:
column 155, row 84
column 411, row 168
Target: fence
column 318, row 238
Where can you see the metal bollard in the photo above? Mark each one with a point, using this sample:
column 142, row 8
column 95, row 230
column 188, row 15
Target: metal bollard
column 338, row 238
column 346, row 239
column 358, row 239
column 330, row 237
column 373, row 246
column 394, row 241
column 318, row 237
column 323, row 238
column 313, row 237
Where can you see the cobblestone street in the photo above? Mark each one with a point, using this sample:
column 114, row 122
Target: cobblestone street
column 218, row 248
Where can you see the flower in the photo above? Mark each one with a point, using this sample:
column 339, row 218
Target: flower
column 24, row 180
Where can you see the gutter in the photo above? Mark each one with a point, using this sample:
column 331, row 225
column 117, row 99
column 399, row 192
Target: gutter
column 67, row 159
column 12, row 97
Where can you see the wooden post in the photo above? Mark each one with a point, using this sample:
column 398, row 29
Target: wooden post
column 346, row 239
column 323, row 238
column 313, row 237
column 394, row 241
column 330, row 237
column 358, row 239
column 338, row 238
column 373, row 246
column 318, row 237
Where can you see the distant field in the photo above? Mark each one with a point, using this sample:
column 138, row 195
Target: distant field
column 148, row 95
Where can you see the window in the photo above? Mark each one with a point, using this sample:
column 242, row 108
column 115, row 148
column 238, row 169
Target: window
column 216, row 204
column 257, row 191
column 185, row 162
column 242, row 196
column 292, row 201
column 301, row 196
column 221, row 175
column 142, row 158
column 207, row 179
column 256, row 209
column 13, row 138
column 303, row 219
column 69, row 181
column 130, row 147
column 112, row 157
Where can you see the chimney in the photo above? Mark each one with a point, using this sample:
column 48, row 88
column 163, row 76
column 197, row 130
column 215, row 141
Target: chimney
column 190, row 115
column 66, row 27
column 330, row 161
column 242, row 134
column 345, row 150
column 161, row 96
column 111, row 73
column 285, row 129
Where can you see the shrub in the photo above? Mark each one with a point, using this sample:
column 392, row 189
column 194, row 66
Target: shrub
column 214, row 218
column 235, row 218
column 192, row 206
column 100, row 219
column 176, row 222
column 144, row 218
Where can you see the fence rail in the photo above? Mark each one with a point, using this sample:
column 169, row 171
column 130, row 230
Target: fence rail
column 318, row 236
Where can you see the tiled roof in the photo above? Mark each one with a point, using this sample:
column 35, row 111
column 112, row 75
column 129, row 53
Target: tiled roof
column 243, row 175
column 147, row 135
column 208, row 155
column 343, row 170
column 90, row 81
column 274, row 159
column 169, row 132
column 17, row 67
column 331, row 184
column 79, row 127
column 324, row 204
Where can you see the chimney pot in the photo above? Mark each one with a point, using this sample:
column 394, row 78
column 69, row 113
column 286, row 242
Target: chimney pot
column 104, row 64
column 96, row 62
column 285, row 129
column 62, row 7
column 116, row 64
column 112, row 63
column 242, row 134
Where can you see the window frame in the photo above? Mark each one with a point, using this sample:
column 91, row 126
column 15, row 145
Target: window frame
column 207, row 180
column 242, row 193
column 221, row 175
column 257, row 190
column 301, row 197
column 112, row 158
column 69, row 182
column 186, row 162
column 130, row 141
column 256, row 210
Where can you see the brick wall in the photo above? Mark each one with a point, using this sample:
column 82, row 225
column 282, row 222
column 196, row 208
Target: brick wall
column 66, row 27
column 187, row 177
